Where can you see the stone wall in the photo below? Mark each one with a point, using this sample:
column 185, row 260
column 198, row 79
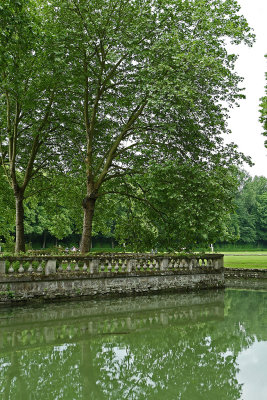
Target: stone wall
column 108, row 276
column 245, row 278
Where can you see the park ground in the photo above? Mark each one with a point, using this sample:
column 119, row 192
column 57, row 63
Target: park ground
column 245, row 259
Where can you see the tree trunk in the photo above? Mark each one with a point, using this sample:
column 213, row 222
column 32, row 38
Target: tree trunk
column 44, row 240
column 88, row 210
column 20, row 240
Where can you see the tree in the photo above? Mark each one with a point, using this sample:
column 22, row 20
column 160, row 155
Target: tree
column 145, row 83
column 250, row 219
column 27, row 94
column 7, row 210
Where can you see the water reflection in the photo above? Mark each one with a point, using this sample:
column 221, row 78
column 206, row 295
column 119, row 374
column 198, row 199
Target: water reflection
column 179, row 346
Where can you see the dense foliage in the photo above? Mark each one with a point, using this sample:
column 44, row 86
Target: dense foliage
column 263, row 109
column 249, row 223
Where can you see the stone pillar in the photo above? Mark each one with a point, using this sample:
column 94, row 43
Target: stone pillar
column 93, row 266
column 50, row 267
column 131, row 264
column 164, row 264
column 2, row 267
column 219, row 263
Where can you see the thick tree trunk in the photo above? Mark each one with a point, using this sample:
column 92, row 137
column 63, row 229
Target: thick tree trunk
column 88, row 209
column 20, row 240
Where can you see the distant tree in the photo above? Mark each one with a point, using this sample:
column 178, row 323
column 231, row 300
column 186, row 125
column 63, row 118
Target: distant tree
column 263, row 109
column 249, row 223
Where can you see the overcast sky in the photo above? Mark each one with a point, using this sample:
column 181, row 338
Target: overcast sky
column 244, row 121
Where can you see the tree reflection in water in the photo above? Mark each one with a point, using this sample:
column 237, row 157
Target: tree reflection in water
column 181, row 346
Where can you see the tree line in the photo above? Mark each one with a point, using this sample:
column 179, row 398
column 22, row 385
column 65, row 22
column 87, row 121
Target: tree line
column 111, row 118
column 248, row 225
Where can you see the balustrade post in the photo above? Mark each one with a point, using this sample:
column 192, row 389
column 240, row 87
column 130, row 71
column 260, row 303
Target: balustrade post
column 50, row 267
column 93, row 266
column 164, row 264
column 131, row 264
column 219, row 263
column 2, row 267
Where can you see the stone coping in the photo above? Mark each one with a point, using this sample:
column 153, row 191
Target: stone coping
column 92, row 256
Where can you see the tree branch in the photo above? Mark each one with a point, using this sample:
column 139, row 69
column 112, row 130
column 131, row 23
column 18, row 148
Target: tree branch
column 112, row 152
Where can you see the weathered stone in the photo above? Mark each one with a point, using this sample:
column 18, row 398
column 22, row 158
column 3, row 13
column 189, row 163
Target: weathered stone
column 245, row 278
column 50, row 267
column 2, row 267
column 108, row 275
column 75, row 284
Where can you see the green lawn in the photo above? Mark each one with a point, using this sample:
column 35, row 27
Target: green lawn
column 245, row 260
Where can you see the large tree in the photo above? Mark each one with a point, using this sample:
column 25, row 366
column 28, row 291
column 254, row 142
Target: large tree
column 122, row 84
column 145, row 81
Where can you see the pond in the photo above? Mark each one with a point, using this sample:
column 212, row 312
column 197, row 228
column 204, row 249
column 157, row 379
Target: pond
column 205, row 345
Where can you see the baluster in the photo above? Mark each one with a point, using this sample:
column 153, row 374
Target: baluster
column 139, row 264
column 21, row 269
column 145, row 266
column 60, row 268
column 117, row 265
column 30, row 269
column 76, row 268
column 151, row 265
column 102, row 265
column 40, row 267
column 156, row 265
column 11, row 269
column 85, row 267
column 68, row 269
column 109, row 265
column 124, row 265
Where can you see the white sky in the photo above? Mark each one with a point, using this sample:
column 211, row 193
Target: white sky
column 244, row 120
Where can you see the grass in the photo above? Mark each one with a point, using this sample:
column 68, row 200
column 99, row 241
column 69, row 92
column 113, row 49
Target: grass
column 245, row 260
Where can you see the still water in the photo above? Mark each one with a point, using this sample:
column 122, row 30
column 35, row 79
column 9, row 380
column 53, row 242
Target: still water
column 207, row 345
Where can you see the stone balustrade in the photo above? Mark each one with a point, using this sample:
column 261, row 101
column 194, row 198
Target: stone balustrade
column 24, row 278
column 106, row 264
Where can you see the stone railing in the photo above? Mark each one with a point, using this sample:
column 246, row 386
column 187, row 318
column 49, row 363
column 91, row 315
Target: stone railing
column 107, row 263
